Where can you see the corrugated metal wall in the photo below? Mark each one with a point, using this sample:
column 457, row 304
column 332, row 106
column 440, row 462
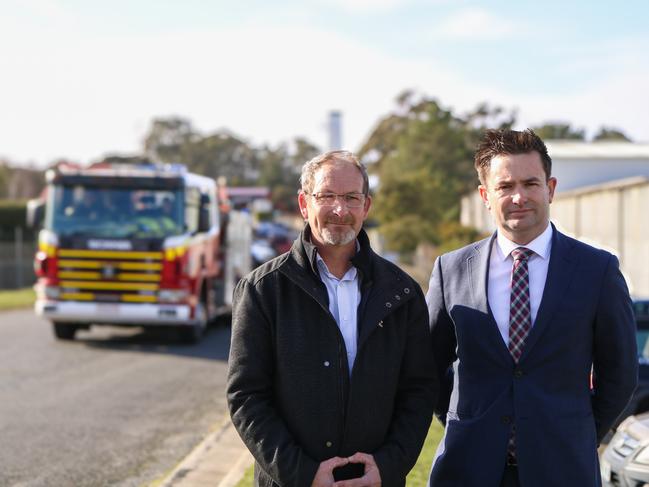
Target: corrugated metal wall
column 613, row 216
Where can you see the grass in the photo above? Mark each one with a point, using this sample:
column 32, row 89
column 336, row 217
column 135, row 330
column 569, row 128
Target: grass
column 19, row 298
column 418, row 476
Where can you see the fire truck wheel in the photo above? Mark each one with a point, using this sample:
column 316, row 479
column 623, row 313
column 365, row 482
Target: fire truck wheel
column 193, row 333
column 64, row 331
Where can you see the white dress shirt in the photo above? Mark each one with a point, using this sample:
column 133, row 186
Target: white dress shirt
column 344, row 298
column 500, row 275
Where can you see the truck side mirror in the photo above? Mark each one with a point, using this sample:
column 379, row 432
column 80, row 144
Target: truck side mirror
column 204, row 214
column 35, row 213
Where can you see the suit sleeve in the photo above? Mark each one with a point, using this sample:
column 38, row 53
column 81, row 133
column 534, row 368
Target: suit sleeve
column 414, row 401
column 250, row 394
column 615, row 359
column 443, row 338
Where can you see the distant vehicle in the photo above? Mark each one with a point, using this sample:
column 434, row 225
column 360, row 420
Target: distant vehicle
column 129, row 245
column 640, row 401
column 279, row 236
column 261, row 251
column 625, row 461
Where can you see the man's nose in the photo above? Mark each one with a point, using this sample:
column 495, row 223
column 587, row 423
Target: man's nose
column 339, row 207
column 519, row 197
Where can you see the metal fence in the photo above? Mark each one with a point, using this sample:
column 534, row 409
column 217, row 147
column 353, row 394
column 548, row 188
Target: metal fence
column 17, row 261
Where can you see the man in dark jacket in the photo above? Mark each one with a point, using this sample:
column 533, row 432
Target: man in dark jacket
column 331, row 375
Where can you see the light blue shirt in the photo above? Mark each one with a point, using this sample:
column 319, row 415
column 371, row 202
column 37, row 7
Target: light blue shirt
column 344, row 298
column 500, row 274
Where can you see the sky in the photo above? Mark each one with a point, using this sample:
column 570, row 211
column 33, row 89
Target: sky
column 81, row 79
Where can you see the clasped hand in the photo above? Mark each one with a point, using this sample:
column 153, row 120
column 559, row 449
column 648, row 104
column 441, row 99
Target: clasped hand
column 324, row 477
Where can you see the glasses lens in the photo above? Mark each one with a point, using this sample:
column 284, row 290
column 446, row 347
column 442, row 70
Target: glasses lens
column 351, row 200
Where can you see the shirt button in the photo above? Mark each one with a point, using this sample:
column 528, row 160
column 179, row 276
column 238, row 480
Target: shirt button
column 506, row 419
column 397, row 297
column 328, row 444
column 388, row 305
column 406, row 290
column 326, row 363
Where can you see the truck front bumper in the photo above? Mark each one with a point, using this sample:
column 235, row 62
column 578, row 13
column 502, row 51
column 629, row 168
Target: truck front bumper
column 115, row 313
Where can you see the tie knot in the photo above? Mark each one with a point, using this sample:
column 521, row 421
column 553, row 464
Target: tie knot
column 521, row 253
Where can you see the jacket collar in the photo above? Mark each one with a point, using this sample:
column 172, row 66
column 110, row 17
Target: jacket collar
column 305, row 252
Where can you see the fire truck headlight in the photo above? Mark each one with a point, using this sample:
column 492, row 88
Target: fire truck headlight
column 51, row 292
column 173, row 295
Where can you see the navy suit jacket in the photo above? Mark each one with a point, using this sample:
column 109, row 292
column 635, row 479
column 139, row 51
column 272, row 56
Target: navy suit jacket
column 585, row 320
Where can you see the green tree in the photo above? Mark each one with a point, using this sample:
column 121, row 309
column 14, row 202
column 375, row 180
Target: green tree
column 167, row 137
column 280, row 171
column 4, row 179
column 559, row 131
column 222, row 154
column 609, row 133
column 225, row 154
column 423, row 155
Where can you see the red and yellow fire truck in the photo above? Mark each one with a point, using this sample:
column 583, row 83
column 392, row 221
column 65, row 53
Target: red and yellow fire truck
column 130, row 245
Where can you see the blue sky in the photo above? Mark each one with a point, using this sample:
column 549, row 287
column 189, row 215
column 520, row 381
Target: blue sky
column 81, row 79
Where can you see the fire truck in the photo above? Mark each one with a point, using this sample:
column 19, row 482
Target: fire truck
column 132, row 245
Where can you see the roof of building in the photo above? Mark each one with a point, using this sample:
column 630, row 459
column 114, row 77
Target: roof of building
column 570, row 149
column 616, row 184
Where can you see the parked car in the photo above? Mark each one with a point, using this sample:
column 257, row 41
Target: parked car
column 625, row 461
column 640, row 401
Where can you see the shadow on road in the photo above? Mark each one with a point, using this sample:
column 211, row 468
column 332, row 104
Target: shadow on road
column 214, row 345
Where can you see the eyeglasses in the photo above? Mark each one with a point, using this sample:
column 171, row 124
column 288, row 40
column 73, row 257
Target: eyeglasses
column 351, row 200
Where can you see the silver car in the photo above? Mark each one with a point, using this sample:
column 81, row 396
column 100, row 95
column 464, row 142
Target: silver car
column 625, row 461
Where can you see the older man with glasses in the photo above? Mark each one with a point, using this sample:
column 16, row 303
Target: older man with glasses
column 331, row 380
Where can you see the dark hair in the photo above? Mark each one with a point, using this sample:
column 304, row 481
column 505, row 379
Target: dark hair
column 332, row 157
column 498, row 142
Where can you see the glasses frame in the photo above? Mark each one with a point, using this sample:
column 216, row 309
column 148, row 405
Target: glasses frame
column 338, row 196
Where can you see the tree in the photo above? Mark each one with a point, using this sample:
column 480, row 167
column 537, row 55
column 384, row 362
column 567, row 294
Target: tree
column 225, row 154
column 280, row 171
column 167, row 137
column 609, row 133
column 222, row 154
column 560, row 131
column 423, row 155
column 4, row 178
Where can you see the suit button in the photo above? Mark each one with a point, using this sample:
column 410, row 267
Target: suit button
column 506, row 419
column 518, row 373
column 328, row 444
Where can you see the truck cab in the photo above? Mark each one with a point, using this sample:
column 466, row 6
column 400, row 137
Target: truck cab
column 132, row 245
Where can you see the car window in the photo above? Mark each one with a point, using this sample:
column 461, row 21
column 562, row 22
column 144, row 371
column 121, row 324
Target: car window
column 641, row 309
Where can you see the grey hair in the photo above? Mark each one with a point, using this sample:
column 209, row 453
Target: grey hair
column 307, row 178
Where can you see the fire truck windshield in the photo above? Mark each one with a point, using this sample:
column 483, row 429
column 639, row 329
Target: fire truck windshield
column 110, row 212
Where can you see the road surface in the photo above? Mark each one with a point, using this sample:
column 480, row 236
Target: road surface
column 117, row 406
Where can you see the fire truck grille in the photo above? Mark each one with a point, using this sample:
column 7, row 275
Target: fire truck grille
column 109, row 276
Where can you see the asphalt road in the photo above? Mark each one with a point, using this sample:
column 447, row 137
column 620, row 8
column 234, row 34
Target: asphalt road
column 114, row 407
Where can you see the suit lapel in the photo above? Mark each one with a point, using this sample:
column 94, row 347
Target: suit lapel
column 478, row 267
column 561, row 269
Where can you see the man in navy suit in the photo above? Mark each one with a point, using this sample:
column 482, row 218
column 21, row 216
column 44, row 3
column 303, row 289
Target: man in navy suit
column 516, row 341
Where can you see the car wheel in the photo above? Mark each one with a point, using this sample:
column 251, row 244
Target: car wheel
column 193, row 333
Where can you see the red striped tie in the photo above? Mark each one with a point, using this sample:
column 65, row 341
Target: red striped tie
column 520, row 317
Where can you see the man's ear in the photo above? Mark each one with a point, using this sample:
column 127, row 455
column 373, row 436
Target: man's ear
column 552, row 185
column 302, row 203
column 484, row 195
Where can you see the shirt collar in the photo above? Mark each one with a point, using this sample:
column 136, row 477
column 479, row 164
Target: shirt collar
column 540, row 245
column 349, row 275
